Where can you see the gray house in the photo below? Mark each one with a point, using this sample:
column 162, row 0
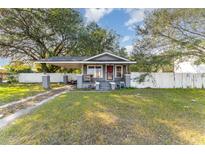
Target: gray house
column 103, row 71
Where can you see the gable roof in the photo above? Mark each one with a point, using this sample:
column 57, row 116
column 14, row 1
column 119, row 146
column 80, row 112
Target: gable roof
column 106, row 53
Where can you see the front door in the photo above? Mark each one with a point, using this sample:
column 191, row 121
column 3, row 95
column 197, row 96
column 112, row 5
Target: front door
column 109, row 72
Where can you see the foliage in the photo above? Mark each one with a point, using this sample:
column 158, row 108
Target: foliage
column 152, row 63
column 122, row 52
column 33, row 34
column 142, row 77
column 94, row 40
column 18, row 67
column 131, row 116
column 12, row 78
column 176, row 33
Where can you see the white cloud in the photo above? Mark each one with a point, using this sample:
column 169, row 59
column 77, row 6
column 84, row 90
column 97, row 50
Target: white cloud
column 129, row 49
column 135, row 16
column 94, row 15
column 125, row 39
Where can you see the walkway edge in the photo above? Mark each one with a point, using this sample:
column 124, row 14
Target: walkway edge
column 5, row 121
column 28, row 98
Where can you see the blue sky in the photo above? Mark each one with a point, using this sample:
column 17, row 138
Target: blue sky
column 119, row 20
column 3, row 61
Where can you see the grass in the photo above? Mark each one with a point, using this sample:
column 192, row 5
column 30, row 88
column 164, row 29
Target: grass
column 131, row 116
column 14, row 92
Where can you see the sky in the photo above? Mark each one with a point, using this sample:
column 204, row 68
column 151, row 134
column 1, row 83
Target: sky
column 121, row 21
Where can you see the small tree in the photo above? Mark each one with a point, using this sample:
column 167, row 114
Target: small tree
column 16, row 67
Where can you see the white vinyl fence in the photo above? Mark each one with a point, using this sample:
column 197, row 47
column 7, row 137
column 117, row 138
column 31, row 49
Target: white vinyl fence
column 150, row 80
column 37, row 77
column 167, row 80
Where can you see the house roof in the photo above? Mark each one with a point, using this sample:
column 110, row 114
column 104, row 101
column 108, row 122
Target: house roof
column 66, row 58
column 102, row 58
column 106, row 53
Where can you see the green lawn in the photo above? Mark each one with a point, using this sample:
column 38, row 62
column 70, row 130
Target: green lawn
column 14, row 92
column 131, row 116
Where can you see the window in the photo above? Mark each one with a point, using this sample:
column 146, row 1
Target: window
column 98, row 71
column 118, row 71
column 91, row 70
column 95, row 70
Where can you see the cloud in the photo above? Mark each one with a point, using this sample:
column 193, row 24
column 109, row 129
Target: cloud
column 94, row 15
column 129, row 49
column 125, row 39
column 135, row 16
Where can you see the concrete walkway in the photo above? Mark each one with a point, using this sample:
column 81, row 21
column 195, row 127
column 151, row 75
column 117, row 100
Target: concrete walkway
column 28, row 98
column 8, row 119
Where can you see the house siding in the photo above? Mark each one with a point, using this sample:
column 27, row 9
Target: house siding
column 105, row 72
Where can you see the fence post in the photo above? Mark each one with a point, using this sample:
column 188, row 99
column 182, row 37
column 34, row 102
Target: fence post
column 127, row 80
column 46, row 81
column 65, row 79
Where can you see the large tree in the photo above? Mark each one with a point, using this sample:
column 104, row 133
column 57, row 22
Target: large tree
column 173, row 33
column 38, row 33
column 32, row 34
column 95, row 40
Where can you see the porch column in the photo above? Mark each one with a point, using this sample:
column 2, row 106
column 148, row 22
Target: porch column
column 126, row 69
column 79, row 81
column 82, row 69
column 127, row 80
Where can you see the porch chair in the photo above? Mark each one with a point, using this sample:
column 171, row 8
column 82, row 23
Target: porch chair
column 122, row 84
column 87, row 78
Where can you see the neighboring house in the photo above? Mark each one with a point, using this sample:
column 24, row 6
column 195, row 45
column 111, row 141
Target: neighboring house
column 103, row 71
column 188, row 66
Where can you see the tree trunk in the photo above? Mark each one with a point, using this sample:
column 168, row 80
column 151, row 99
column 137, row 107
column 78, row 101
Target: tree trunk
column 45, row 68
column 49, row 68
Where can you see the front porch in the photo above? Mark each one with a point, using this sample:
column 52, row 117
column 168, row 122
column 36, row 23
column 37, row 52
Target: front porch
column 104, row 71
column 102, row 85
column 103, row 76
column 85, row 81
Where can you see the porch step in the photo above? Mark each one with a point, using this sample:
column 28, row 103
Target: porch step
column 105, row 85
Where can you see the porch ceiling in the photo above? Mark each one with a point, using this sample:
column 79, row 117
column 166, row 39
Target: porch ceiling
column 68, row 66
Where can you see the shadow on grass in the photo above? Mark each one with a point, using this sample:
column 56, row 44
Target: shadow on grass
column 124, row 117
